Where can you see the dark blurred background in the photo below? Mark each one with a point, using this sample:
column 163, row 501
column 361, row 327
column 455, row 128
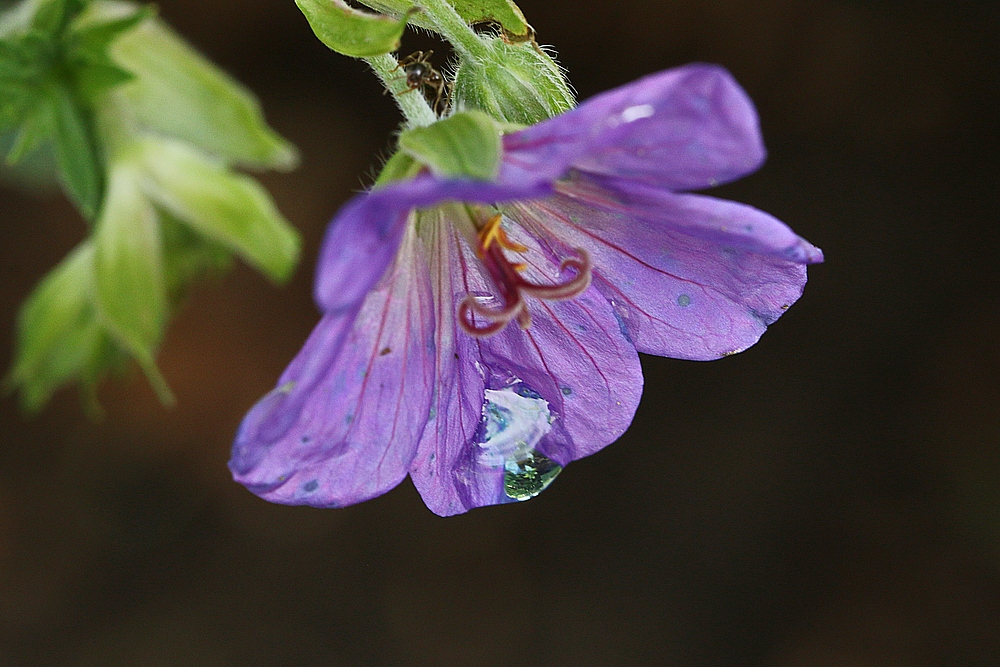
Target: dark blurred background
column 829, row 498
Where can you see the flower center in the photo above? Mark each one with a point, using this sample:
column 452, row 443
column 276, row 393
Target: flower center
column 511, row 287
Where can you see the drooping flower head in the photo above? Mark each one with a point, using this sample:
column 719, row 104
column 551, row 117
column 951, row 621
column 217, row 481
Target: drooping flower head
column 480, row 334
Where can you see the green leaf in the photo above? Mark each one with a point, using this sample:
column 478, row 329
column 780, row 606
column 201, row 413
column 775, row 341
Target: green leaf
column 179, row 93
column 503, row 12
column 467, row 144
column 351, row 32
column 228, row 207
column 129, row 288
column 80, row 168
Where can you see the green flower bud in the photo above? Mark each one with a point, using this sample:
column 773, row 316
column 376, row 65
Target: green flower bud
column 514, row 83
column 59, row 336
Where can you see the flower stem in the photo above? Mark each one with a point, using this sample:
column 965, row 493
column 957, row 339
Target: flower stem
column 454, row 28
column 411, row 102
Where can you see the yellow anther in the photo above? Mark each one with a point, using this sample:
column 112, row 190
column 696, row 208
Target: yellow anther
column 492, row 231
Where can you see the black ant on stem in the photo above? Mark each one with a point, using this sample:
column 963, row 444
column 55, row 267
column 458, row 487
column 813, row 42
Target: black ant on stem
column 420, row 74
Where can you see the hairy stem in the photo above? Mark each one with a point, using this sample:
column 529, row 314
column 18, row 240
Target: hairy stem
column 411, row 102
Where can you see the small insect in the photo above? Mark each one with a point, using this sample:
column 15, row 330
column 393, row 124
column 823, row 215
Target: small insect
column 420, row 74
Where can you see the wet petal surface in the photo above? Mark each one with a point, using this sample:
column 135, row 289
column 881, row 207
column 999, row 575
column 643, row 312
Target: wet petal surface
column 488, row 443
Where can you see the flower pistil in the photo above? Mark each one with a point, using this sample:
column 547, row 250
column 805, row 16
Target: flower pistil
column 511, row 286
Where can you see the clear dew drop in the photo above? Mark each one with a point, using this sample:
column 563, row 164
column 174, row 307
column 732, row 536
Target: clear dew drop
column 515, row 419
column 527, row 477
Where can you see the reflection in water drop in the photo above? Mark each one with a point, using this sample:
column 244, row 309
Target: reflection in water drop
column 515, row 419
column 526, row 478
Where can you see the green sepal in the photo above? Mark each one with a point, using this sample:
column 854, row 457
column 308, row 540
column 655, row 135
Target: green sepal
column 188, row 256
column 80, row 168
column 515, row 83
column 52, row 16
column 503, row 12
column 88, row 44
column 59, row 339
column 24, row 60
column 225, row 206
column 25, row 57
column 399, row 167
column 352, row 32
column 177, row 92
column 466, row 144
column 129, row 289
column 95, row 30
column 33, row 131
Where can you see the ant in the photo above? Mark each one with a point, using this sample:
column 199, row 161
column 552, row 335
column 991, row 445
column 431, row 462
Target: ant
column 419, row 73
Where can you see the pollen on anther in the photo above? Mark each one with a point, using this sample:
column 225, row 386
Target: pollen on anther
column 494, row 232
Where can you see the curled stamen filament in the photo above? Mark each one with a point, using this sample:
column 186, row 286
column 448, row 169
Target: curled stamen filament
column 511, row 287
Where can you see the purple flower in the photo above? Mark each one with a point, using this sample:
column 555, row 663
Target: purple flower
column 478, row 336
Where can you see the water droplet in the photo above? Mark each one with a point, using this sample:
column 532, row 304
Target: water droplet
column 637, row 112
column 566, row 391
column 515, row 419
column 526, row 478
column 684, row 300
column 310, row 486
column 513, row 423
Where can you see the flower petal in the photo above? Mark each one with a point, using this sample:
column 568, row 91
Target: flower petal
column 447, row 444
column 344, row 423
column 362, row 240
column 719, row 221
column 686, row 128
column 573, row 362
column 676, row 293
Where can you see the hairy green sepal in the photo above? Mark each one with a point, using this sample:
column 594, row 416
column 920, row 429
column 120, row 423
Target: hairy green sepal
column 516, row 83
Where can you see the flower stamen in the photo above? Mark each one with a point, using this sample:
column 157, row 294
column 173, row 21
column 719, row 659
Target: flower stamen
column 494, row 232
column 511, row 287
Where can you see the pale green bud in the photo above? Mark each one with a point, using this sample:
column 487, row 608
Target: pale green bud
column 514, row 83
column 59, row 337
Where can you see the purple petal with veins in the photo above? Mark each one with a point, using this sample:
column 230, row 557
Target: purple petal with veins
column 350, row 416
